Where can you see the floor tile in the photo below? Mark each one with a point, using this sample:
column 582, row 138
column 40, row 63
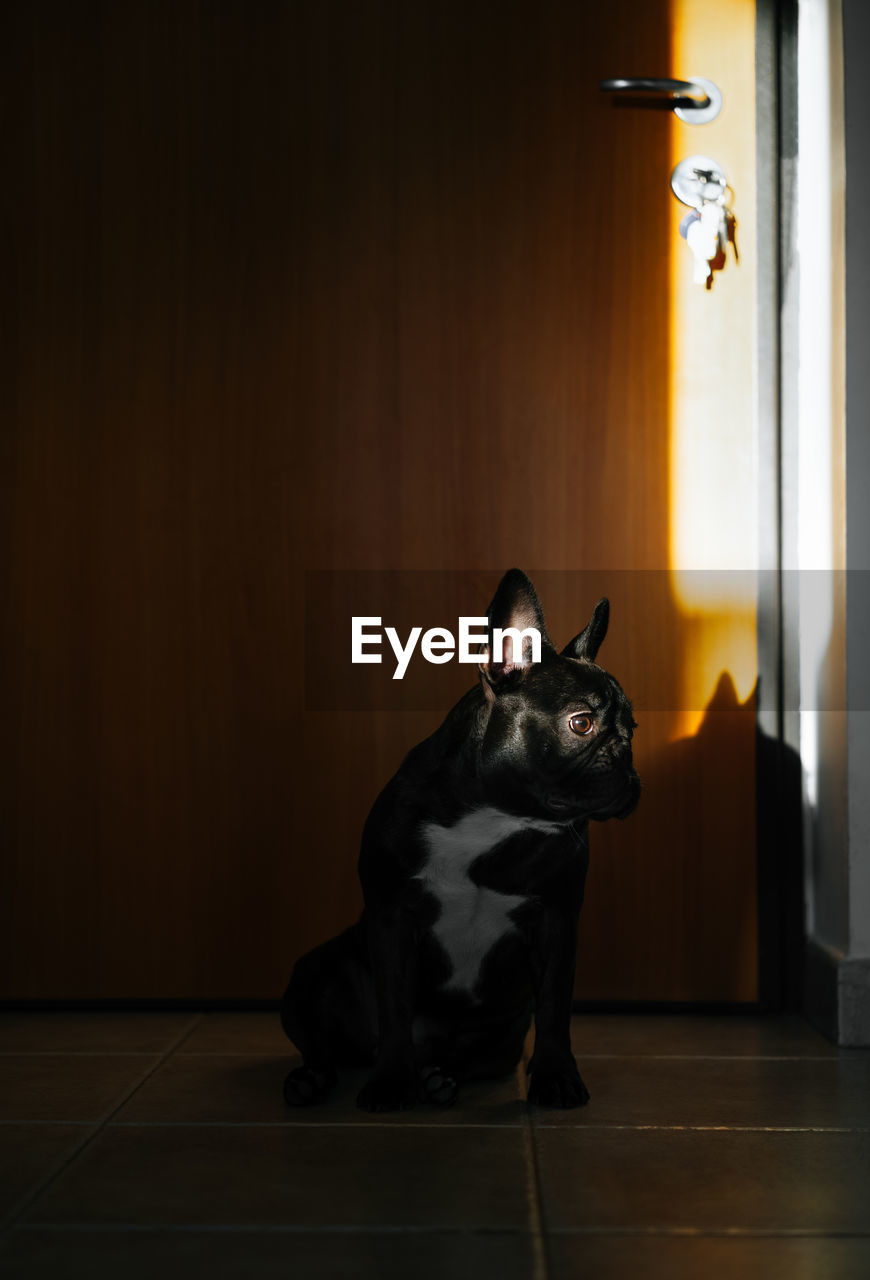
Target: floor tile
column 66, row 1086
column 142, row 1255
column 720, row 1091
column 211, row 1087
column 90, row 1032
column 704, row 1181
column 238, row 1033
column 707, row 1257
column 696, row 1034
column 28, row 1154
column 327, row 1175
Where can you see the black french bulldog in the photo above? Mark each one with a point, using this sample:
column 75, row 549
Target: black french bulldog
column 473, row 863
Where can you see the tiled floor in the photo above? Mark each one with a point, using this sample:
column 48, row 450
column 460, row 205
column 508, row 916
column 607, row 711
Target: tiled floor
column 143, row 1145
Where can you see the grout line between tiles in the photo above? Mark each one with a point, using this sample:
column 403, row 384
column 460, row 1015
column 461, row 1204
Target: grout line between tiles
column 427, row 1124
column 711, row 1128
column 752, row 1233
column 540, row 1258
column 852, row 1055
column 47, row 1124
column 403, row 1123
column 272, row 1228
column 398, row 1123
column 662, row 1057
column 352, row 1228
column 81, row 1053
column 22, row 1204
column 724, row 1057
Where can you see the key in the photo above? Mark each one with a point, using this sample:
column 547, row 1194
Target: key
column 702, row 237
column 732, row 232
column 708, row 231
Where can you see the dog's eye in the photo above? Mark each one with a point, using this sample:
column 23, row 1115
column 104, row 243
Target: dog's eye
column 582, row 723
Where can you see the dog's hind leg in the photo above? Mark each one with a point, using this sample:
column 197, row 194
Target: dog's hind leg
column 326, row 1013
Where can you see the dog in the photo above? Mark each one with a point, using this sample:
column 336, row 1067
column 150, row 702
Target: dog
column 473, row 863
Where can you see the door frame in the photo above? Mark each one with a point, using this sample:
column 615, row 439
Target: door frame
column 778, row 770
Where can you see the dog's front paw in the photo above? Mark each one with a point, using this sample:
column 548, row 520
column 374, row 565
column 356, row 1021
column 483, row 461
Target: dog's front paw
column 393, row 1091
column 557, row 1086
column 438, row 1088
column 305, row 1086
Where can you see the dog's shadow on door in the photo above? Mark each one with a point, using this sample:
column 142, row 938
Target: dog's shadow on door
column 763, row 788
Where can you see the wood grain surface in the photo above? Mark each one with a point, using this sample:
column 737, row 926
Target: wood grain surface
column 325, row 286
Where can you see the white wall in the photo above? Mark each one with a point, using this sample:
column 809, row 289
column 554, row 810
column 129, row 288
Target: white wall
column 826, row 499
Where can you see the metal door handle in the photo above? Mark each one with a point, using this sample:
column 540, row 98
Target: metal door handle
column 694, row 101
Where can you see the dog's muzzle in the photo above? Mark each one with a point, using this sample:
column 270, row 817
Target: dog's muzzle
column 625, row 801
column 615, row 794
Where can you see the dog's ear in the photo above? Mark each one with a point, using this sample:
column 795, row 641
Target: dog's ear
column 588, row 642
column 514, row 607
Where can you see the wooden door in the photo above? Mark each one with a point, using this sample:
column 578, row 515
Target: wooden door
column 305, row 292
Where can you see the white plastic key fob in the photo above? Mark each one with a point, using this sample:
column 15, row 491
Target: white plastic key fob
column 702, row 238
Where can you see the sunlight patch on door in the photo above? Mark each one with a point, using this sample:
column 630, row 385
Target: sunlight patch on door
column 714, row 445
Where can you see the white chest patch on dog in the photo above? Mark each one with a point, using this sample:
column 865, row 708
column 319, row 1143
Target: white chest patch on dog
column 472, row 918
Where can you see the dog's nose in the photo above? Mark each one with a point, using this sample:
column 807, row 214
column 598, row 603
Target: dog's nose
column 630, row 797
